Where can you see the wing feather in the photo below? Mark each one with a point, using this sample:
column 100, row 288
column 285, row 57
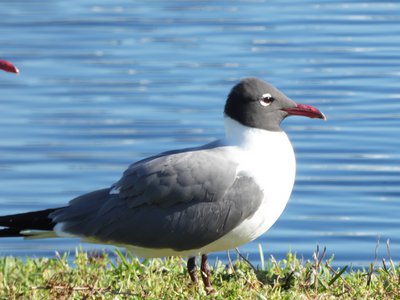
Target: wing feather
column 183, row 200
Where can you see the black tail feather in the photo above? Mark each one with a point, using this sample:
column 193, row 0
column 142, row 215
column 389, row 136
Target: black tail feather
column 10, row 232
column 35, row 220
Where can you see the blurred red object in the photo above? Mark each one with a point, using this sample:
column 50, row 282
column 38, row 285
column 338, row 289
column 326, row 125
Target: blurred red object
column 8, row 67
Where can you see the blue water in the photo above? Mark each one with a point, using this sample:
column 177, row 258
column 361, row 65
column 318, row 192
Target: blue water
column 105, row 83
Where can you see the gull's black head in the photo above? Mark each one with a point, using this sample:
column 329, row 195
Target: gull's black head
column 258, row 104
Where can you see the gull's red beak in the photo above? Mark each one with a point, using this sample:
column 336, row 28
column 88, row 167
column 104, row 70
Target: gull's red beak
column 8, row 67
column 305, row 110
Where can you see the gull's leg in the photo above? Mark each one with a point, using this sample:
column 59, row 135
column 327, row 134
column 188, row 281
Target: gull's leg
column 191, row 266
column 205, row 274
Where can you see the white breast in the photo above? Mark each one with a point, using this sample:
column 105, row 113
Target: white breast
column 267, row 157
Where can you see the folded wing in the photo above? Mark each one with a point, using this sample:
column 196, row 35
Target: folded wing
column 179, row 200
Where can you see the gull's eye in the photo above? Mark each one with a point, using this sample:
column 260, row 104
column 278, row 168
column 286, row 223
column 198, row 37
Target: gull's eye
column 266, row 99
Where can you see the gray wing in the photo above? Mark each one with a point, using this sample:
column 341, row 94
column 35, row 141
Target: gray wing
column 183, row 200
column 184, row 176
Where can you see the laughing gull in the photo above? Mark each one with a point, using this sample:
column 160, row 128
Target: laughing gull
column 8, row 67
column 192, row 201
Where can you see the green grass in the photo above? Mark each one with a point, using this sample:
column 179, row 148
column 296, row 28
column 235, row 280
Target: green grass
column 97, row 276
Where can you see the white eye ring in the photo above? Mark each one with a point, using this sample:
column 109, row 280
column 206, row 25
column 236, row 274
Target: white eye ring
column 266, row 99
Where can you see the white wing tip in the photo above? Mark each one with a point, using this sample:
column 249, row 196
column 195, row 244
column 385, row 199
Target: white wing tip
column 115, row 191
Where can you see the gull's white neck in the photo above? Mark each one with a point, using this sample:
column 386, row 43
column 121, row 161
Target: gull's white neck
column 253, row 138
column 264, row 155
